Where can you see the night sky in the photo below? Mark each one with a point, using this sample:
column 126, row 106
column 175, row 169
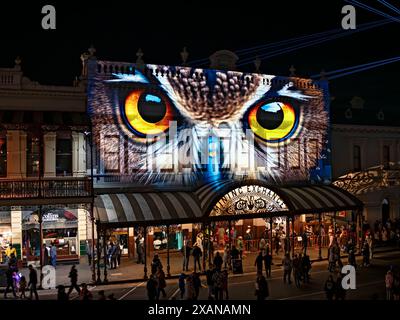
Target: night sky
column 163, row 28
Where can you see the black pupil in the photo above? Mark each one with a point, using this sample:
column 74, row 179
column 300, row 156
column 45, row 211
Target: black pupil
column 269, row 119
column 151, row 108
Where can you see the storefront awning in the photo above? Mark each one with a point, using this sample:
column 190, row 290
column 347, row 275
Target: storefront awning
column 146, row 207
column 173, row 207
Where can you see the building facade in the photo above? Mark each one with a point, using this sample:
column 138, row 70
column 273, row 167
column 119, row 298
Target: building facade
column 45, row 187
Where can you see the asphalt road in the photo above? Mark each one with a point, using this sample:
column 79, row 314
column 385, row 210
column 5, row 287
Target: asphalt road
column 369, row 283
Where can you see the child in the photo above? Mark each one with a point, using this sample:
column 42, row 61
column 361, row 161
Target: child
column 22, row 287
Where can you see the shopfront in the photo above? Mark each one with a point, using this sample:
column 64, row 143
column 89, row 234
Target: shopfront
column 5, row 233
column 59, row 228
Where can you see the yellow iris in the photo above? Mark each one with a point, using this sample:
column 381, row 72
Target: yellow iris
column 136, row 120
column 272, row 121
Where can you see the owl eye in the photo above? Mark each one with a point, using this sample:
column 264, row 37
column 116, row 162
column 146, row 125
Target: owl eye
column 147, row 113
column 272, row 121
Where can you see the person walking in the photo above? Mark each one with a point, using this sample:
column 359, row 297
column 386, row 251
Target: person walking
column 340, row 293
column 45, row 255
column 61, row 294
column 227, row 257
column 304, row 239
column 89, row 252
column 140, row 249
column 10, row 282
column 155, row 264
column 22, row 287
column 196, row 284
column 329, row 288
column 33, row 280
column 196, row 256
column 389, row 284
column 239, row 246
column 85, row 294
column 297, row 270
column 181, row 284
column 306, row 267
column 352, row 259
column 225, row 284
column 259, row 263
column 218, row 261
column 262, row 290
column 190, row 295
column 210, row 283
column 365, row 254
column 73, row 275
column 53, row 255
column 151, row 287
column 218, row 284
column 161, row 283
column 186, row 250
column 268, row 263
column 287, row 268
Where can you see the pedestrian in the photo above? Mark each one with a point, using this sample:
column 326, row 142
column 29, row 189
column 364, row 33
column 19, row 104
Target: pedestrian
column 329, row 287
column 22, row 287
column 73, row 275
column 239, row 247
column 225, row 284
column 297, row 270
column 10, row 282
column 53, row 255
column 365, row 254
column 101, row 295
column 186, row 250
column 210, row 283
column 85, row 293
column 155, row 264
column 262, row 291
column 306, row 267
column 121, row 248
column 196, row 284
column 227, row 257
column 352, row 259
column 287, row 268
column 259, row 263
column 161, row 282
column 190, row 295
column 114, row 253
column 389, row 284
column 235, row 253
column 33, row 282
column 89, row 252
column 218, row 261
column 268, row 262
column 140, row 249
column 218, row 284
column 181, row 284
column 304, row 240
column 151, row 287
column 196, row 256
column 340, row 292
column 61, row 294
column 370, row 245
column 45, row 255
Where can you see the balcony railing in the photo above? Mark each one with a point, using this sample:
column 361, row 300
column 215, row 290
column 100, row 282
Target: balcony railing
column 45, row 188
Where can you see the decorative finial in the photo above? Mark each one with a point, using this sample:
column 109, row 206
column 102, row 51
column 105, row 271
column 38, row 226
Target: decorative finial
column 292, row 71
column 92, row 50
column 184, row 56
column 139, row 60
column 257, row 63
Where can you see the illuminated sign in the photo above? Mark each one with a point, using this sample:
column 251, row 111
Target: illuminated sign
column 247, row 200
column 180, row 125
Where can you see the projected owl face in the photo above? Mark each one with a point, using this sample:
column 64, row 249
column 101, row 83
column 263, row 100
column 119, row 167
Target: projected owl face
column 192, row 123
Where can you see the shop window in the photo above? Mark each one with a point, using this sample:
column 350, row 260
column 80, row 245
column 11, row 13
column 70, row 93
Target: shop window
column 356, row 158
column 32, row 156
column 64, row 156
column 3, row 155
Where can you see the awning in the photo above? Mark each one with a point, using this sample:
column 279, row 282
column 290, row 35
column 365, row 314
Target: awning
column 147, row 208
column 173, row 207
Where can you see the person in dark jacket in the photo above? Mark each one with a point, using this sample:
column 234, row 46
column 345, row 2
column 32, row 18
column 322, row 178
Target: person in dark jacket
column 330, row 288
column 61, row 294
column 196, row 256
column 340, row 293
column 187, row 250
column 33, row 279
column 259, row 263
column 218, row 261
column 155, row 264
column 268, row 263
column 262, row 291
column 10, row 282
column 151, row 287
column 196, row 284
column 73, row 275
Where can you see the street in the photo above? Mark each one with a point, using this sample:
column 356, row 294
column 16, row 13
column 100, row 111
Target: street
column 369, row 284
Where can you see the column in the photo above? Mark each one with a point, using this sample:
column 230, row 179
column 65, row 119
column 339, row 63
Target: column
column 145, row 253
column 82, row 229
column 319, row 237
column 293, row 217
column 98, row 280
column 105, row 255
column 49, row 141
column 92, row 247
column 16, row 229
column 168, row 267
